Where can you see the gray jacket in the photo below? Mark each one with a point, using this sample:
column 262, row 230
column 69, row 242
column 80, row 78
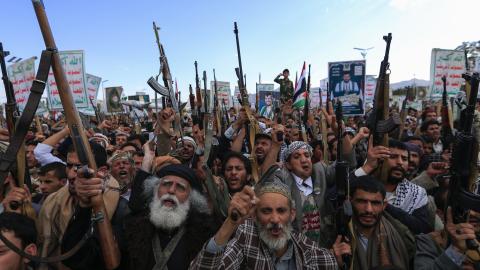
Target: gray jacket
column 322, row 177
column 429, row 256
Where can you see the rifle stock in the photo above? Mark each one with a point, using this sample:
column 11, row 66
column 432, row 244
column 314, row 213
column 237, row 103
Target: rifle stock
column 108, row 244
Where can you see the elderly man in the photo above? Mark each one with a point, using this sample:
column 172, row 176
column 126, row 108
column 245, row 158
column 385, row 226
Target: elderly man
column 309, row 184
column 265, row 242
column 171, row 230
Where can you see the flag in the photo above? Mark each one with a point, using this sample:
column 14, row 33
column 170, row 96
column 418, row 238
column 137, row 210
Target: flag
column 300, row 90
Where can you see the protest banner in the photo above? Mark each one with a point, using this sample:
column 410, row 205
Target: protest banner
column 449, row 63
column 93, row 83
column 22, row 74
column 74, row 66
column 347, row 83
column 113, row 95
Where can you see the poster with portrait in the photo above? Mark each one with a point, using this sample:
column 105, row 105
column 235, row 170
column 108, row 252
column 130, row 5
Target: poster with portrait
column 346, row 82
column 113, row 95
column 268, row 99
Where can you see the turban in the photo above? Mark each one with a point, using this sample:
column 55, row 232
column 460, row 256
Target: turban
column 188, row 139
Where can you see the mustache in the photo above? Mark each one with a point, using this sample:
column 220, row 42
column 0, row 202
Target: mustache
column 398, row 168
column 169, row 197
column 274, row 226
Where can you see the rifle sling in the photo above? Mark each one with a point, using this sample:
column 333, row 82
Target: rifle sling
column 23, row 123
column 163, row 255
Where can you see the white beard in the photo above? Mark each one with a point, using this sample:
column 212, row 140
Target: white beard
column 165, row 217
column 275, row 243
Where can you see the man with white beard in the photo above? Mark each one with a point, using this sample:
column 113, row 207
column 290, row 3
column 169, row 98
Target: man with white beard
column 266, row 241
column 174, row 224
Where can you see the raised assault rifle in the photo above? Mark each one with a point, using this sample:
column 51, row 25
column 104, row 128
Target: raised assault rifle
column 343, row 206
column 379, row 122
column 253, row 127
column 464, row 158
column 447, row 134
column 109, row 248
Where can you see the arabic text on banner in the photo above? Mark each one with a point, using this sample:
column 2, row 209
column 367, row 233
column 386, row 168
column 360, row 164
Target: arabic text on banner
column 21, row 75
column 93, row 83
column 73, row 63
column 449, row 63
column 223, row 93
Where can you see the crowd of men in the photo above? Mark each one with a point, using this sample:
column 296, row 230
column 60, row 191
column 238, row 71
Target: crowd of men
column 266, row 205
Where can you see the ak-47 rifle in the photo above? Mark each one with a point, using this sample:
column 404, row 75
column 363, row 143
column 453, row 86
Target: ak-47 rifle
column 157, row 40
column 166, row 90
column 447, row 134
column 191, row 98
column 324, row 128
column 225, row 114
column 200, row 108
column 328, row 100
column 206, row 114
column 109, row 248
column 379, row 122
column 404, row 113
column 306, row 110
column 343, row 206
column 97, row 115
column 216, row 109
column 208, row 119
column 253, row 127
column 21, row 174
column 462, row 196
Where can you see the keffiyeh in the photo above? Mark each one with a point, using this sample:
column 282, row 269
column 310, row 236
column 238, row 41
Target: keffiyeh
column 294, row 146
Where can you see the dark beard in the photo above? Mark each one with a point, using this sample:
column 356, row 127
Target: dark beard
column 393, row 179
column 356, row 218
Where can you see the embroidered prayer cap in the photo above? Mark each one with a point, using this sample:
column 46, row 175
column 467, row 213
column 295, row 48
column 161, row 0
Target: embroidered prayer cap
column 125, row 155
column 274, row 186
column 296, row 145
column 100, row 139
column 182, row 171
column 188, row 139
